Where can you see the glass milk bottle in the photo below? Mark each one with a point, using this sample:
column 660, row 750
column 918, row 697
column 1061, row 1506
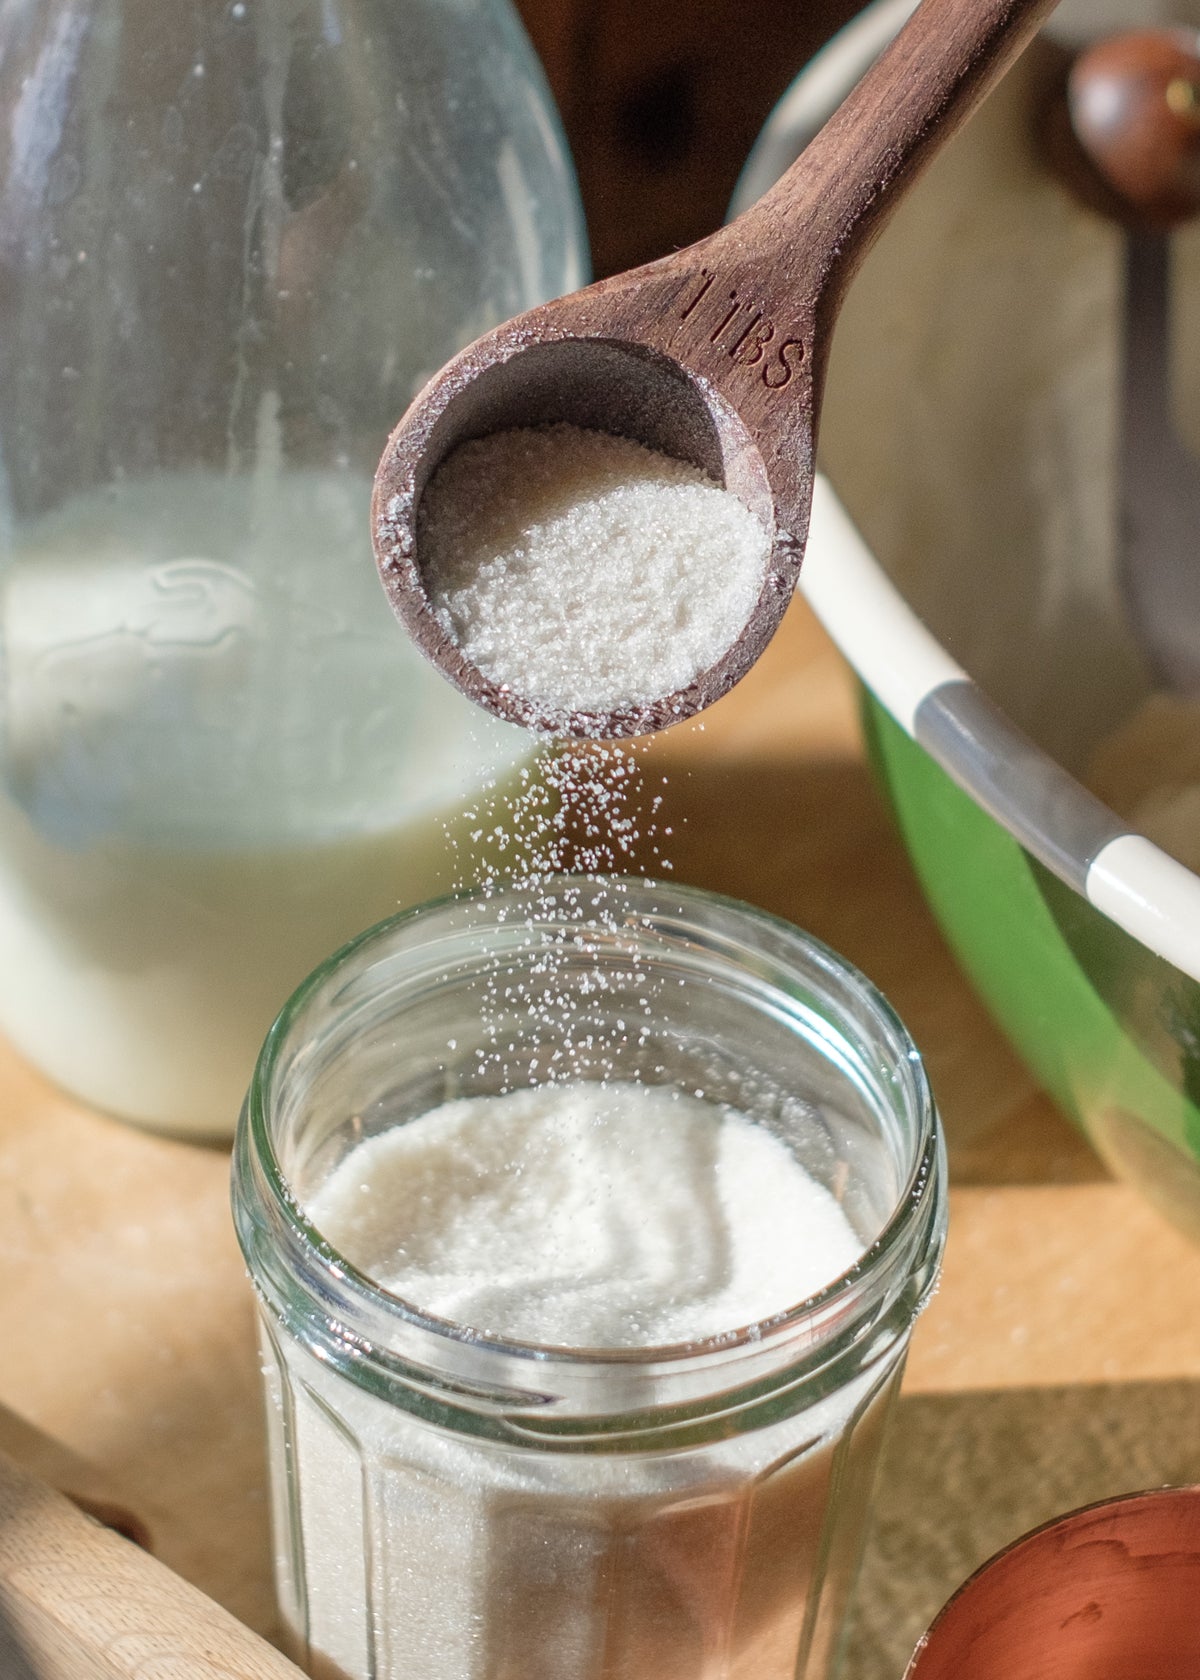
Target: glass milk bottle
column 454, row 1502
column 235, row 236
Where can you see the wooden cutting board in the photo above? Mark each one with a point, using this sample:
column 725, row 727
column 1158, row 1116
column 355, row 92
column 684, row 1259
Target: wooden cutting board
column 127, row 1322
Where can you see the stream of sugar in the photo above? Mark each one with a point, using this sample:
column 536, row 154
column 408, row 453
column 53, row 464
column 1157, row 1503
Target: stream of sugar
column 579, row 1197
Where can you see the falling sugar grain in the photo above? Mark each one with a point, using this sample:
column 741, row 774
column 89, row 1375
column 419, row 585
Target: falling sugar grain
column 587, row 809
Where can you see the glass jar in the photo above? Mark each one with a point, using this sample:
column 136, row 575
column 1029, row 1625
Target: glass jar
column 235, row 237
column 453, row 1507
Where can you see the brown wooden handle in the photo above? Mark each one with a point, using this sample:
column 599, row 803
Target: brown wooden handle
column 836, row 196
column 78, row 1602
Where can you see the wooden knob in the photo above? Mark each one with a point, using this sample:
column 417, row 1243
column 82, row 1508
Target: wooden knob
column 1134, row 106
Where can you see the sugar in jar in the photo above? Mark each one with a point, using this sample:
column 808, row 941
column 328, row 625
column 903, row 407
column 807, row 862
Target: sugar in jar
column 589, row 1225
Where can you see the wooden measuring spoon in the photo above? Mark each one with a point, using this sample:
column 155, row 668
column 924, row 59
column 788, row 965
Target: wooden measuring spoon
column 714, row 355
column 1125, row 134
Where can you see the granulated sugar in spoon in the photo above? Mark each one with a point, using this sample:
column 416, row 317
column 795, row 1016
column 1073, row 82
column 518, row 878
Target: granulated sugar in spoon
column 606, row 586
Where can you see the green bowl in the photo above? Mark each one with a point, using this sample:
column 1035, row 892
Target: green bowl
column 1109, row 1028
column 969, row 426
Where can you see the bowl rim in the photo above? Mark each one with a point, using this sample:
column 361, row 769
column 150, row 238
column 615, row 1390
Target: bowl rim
column 1129, row 879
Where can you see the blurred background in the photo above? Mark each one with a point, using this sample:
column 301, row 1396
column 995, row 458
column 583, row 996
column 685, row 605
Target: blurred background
column 662, row 103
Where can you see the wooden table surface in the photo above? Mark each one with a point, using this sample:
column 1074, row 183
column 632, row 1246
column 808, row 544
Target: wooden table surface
column 1060, row 1360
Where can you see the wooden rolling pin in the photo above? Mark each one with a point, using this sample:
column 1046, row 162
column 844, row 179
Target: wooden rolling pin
column 80, row 1602
column 39, row 1454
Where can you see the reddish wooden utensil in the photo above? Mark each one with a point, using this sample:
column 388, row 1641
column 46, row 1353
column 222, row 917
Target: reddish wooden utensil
column 715, row 355
column 1106, row 1593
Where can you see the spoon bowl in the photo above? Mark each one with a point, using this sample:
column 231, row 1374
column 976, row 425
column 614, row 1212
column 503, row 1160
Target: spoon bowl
column 515, row 377
column 714, row 355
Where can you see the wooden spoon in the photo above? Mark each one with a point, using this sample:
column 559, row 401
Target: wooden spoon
column 715, row 355
column 1125, row 134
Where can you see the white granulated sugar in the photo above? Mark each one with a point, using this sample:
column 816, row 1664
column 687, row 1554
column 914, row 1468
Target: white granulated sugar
column 584, row 571
column 594, row 1215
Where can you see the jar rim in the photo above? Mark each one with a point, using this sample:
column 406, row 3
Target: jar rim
column 820, row 1314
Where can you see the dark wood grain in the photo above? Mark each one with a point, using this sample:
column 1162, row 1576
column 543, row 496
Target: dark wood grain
column 715, row 354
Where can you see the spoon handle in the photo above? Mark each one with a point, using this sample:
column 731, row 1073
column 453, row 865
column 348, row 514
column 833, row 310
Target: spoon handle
column 837, row 195
column 752, row 308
